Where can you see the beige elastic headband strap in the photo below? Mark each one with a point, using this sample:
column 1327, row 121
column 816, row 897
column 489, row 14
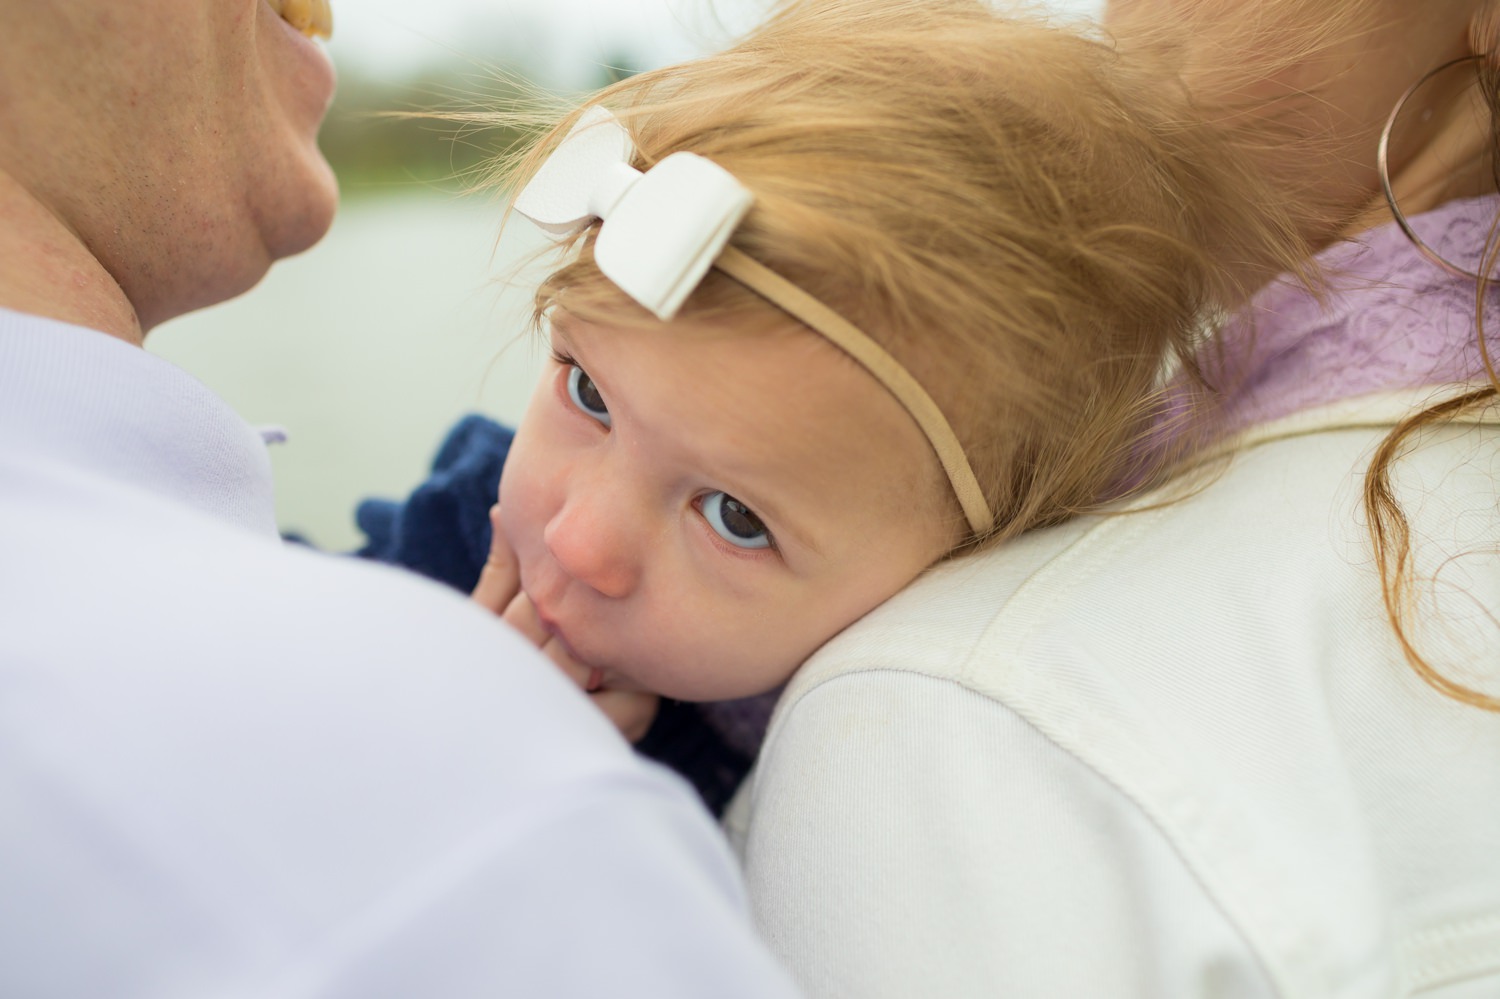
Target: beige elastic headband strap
column 885, row 368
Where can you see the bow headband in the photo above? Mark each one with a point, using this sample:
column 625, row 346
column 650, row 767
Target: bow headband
column 663, row 229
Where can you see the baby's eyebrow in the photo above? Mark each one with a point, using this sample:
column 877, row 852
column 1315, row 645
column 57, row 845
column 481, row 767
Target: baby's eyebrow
column 776, row 517
column 748, row 479
column 557, row 329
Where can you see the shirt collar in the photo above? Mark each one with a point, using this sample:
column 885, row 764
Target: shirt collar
column 89, row 400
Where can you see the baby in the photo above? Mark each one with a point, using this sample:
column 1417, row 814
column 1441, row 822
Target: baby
column 885, row 282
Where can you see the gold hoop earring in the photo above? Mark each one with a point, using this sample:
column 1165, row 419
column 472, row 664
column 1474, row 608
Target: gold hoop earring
column 1382, row 164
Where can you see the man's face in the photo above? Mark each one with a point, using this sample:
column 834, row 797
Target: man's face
column 177, row 138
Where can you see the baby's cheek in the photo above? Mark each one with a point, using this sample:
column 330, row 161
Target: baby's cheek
column 522, row 499
column 768, row 658
column 718, row 667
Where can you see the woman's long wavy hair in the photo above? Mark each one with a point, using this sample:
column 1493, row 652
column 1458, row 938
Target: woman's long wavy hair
column 1390, row 530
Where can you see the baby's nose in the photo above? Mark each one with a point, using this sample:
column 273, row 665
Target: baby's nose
column 593, row 543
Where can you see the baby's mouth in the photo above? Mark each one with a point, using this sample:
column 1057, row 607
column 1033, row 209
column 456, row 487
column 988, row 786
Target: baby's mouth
column 314, row 18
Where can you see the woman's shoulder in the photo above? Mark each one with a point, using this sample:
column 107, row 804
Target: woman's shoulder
column 1221, row 666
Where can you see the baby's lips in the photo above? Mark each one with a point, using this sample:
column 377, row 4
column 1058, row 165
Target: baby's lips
column 595, row 680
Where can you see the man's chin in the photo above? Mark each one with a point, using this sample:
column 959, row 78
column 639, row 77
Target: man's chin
column 283, row 230
column 305, row 219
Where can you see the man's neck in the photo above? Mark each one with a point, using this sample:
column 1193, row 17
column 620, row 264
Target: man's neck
column 47, row 270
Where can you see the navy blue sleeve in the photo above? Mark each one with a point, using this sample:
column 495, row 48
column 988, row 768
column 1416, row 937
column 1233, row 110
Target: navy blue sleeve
column 442, row 530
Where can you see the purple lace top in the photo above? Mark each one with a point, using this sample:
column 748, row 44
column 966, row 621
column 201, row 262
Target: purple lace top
column 1391, row 320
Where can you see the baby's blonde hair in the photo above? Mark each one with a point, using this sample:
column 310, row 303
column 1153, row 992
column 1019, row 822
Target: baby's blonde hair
column 1031, row 223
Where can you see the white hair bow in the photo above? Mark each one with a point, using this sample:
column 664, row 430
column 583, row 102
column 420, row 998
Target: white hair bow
column 662, row 228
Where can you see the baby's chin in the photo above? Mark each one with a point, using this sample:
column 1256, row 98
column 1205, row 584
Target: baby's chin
column 702, row 685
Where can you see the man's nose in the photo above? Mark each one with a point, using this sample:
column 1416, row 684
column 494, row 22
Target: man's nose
column 596, row 539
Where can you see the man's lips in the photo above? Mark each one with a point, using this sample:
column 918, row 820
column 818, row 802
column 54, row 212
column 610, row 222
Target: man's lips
column 314, row 18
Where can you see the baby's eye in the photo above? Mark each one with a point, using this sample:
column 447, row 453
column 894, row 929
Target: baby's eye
column 733, row 521
column 585, row 395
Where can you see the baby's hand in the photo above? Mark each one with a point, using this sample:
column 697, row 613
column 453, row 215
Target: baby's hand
column 499, row 591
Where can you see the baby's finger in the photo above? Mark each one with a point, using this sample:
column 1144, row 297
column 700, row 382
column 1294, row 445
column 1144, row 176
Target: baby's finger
column 522, row 616
column 501, row 576
column 585, row 677
column 632, row 711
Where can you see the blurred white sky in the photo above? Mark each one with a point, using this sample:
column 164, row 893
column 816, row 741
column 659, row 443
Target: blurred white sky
column 569, row 36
